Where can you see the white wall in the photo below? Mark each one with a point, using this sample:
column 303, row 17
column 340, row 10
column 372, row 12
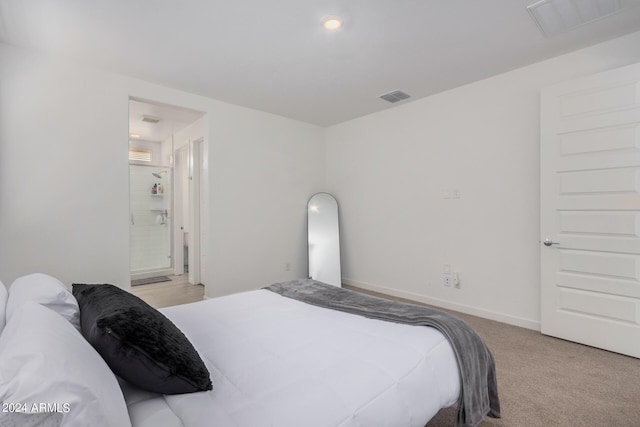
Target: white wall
column 260, row 187
column 192, row 132
column 64, row 191
column 64, row 178
column 389, row 172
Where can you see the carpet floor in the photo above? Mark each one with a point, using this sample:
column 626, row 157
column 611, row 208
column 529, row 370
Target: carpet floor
column 545, row 381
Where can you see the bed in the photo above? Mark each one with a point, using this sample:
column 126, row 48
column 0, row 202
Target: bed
column 272, row 360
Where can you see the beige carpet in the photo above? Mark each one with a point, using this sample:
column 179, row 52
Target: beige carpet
column 545, row 381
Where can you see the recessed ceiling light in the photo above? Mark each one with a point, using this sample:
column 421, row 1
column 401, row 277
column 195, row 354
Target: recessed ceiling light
column 134, row 135
column 332, row 24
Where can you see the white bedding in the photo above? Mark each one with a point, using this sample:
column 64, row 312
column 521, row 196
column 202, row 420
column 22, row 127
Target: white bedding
column 279, row 362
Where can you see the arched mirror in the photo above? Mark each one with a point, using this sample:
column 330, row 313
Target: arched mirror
column 324, row 239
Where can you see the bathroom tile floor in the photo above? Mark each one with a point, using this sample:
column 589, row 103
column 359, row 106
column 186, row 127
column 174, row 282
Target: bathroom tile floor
column 165, row 294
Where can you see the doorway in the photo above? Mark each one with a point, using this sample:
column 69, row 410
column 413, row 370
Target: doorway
column 161, row 193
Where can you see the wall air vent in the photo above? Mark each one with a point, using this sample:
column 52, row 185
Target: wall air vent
column 149, row 119
column 557, row 16
column 395, row 96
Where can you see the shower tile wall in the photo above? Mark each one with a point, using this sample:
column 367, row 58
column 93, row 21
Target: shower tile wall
column 150, row 239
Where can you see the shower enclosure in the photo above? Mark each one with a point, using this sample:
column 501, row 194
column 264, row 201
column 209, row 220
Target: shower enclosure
column 150, row 222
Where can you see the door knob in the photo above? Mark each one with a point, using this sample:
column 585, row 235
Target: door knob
column 548, row 242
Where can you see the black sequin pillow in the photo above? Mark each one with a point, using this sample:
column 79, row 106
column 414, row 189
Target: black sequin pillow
column 138, row 342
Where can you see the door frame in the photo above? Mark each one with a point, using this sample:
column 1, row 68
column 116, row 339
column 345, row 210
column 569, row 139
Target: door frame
column 192, row 197
column 195, row 185
column 178, row 211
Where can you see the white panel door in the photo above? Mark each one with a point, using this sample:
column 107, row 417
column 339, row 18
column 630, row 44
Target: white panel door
column 590, row 210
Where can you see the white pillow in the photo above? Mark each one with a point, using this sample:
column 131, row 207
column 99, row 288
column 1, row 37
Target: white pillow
column 3, row 306
column 44, row 290
column 44, row 360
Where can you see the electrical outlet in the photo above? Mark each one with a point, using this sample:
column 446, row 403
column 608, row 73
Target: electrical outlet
column 456, row 280
column 447, row 280
column 287, row 267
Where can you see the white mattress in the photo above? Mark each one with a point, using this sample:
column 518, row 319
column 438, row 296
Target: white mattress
column 279, row 362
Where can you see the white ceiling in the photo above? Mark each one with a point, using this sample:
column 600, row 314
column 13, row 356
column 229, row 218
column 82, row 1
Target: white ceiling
column 275, row 56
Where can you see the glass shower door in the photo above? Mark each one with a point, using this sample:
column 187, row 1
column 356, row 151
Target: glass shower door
column 150, row 226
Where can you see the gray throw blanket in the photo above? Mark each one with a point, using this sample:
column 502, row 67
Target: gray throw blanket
column 479, row 389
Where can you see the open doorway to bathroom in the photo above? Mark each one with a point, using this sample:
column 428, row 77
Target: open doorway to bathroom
column 166, row 146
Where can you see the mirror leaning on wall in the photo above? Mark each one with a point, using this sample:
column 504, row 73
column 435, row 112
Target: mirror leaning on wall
column 323, row 233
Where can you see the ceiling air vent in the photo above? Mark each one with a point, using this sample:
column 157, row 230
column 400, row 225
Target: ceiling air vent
column 149, row 119
column 395, row 96
column 557, row 16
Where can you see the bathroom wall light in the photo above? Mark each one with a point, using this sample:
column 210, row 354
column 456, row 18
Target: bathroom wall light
column 332, row 23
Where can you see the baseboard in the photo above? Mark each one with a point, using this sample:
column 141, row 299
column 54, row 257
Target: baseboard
column 449, row 305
